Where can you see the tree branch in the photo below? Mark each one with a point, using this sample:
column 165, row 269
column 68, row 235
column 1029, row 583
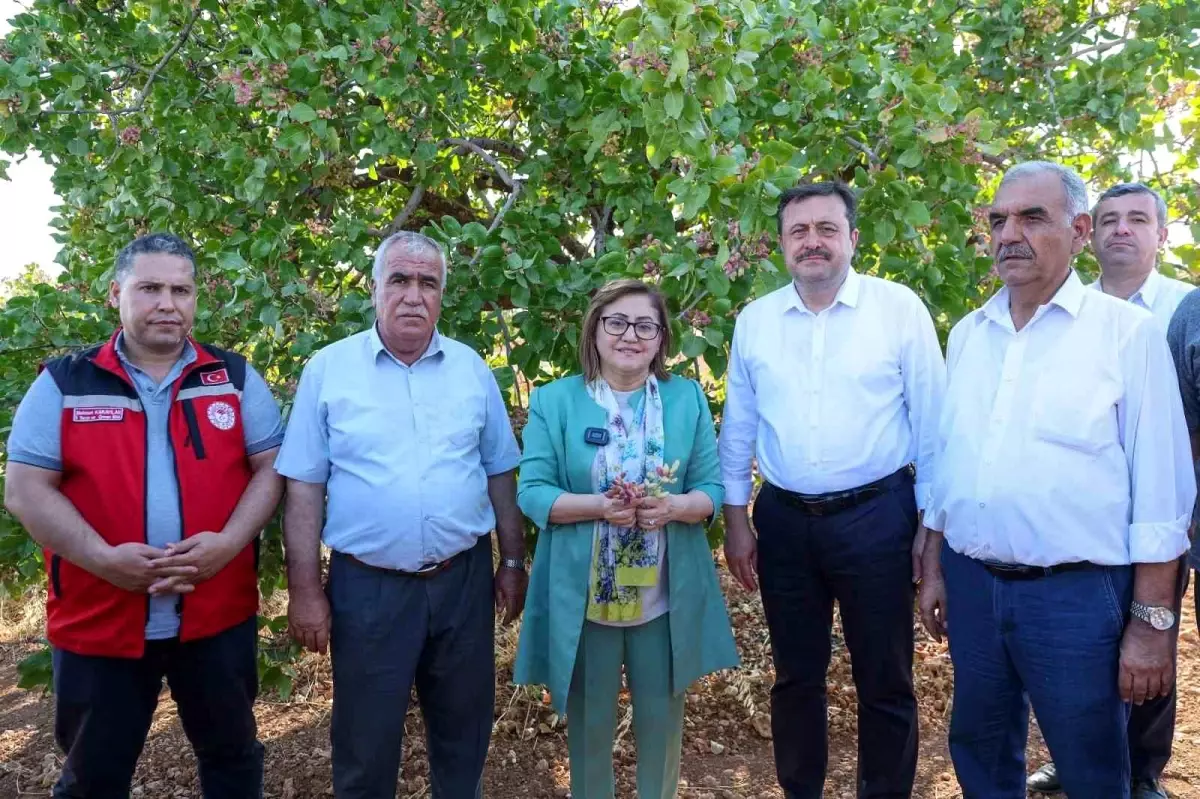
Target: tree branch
column 414, row 200
column 469, row 144
column 864, row 149
column 1097, row 49
column 140, row 103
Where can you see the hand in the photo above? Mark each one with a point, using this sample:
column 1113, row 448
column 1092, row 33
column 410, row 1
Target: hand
column 135, row 567
column 171, row 585
column 654, row 513
column 207, row 552
column 932, row 597
column 309, row 618
column 741, row 549
column 616, row 512
column 510, row 586
column 1147, row 667
column 918, row 550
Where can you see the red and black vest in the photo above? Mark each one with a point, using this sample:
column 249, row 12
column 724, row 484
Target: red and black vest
column 104, row 460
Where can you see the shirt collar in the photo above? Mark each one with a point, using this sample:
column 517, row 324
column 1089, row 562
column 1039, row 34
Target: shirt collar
column 847, row 295
column 377, row 346
column 185, row 358
column 1069, row 297
column 1146, row 294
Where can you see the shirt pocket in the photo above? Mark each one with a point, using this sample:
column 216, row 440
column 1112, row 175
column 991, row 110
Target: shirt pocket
column 1077, row 408
column 458, row 424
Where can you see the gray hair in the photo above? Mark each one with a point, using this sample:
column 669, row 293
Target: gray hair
column 151, row 244
column 1073, row 185
column 410, row 242
column 1123, row 189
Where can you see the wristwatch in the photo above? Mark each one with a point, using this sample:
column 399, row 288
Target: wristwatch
column 1157, row 617
column 513, row 563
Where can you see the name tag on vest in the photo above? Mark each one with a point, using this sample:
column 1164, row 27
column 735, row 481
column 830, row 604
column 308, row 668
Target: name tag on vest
column 97, row 414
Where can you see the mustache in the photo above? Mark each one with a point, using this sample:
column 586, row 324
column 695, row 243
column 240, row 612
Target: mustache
column 1014, row 251
column 821, row 251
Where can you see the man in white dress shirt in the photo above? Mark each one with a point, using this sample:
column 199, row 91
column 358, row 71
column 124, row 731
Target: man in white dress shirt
column 835, row 383
column 1063, row 493
column 1129, row 229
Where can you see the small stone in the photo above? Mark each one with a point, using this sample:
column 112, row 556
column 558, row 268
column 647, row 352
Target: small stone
column 542, row 765
column 709, row 781
column 717, row 749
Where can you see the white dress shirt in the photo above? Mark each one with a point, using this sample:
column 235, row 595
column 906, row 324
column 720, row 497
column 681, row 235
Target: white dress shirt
column 833, row 400
column 1064, row 441
column 1160, row 295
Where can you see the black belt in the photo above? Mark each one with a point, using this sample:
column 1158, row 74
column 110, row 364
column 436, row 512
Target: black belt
column 837, row 501
column 426, row 571
column 1018, row 571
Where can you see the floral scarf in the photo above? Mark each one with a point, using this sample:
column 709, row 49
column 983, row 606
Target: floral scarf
column 625, row 558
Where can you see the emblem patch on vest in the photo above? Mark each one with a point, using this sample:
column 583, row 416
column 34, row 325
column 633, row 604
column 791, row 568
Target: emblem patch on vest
column 100, row 414
column 222, row 415
column 215, row 378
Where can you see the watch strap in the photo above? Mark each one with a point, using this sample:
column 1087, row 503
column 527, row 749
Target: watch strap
column 513, row 563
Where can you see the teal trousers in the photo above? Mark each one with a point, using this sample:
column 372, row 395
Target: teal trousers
column 645, row 651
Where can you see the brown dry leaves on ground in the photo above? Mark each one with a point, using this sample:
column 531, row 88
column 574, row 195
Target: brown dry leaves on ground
column 727, row 751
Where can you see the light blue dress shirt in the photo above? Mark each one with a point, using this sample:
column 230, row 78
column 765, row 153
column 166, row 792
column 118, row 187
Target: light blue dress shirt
column 405, row 451
column 36, row 440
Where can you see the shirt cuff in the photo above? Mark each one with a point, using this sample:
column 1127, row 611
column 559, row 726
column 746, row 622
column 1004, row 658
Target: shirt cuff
column 738, row 492
column 501, row 466
column 1158, row 542
column 935, row 519
column 921, row 493
column 31, row 459
column 264, row 445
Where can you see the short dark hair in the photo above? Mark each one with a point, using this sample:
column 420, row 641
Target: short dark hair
column 823, row 188
column 1123, row 189
column 151, row 244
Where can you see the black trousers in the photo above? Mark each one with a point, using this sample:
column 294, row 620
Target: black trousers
column 1152, row 724
column 104, row 707
column 391, row 630
column 861, row 557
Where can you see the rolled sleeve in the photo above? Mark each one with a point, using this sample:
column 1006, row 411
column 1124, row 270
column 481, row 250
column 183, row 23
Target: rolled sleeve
column 304, row 454
column 704, row 467
column 1157, row 449
column 261, row 420
column 739, row 427
column 1182, row 334
column 498, row 450
column 537, row 483
column 36, row 435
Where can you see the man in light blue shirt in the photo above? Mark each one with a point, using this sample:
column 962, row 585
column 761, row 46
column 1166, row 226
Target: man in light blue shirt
column 1129, row 228
column 400, row 438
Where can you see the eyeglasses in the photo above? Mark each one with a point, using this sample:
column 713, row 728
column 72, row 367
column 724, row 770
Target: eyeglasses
column 617, row 325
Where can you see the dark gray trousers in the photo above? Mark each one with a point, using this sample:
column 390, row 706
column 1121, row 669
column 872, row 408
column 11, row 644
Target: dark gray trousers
column 389, row 630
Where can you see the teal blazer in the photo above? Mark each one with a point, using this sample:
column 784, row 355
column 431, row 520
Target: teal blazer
column 557, row 460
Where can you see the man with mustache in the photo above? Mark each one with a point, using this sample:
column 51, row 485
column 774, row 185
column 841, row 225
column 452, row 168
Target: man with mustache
column 1130, row 227
column 1062, row 497
column 835, row 383
column 143, row 467
column 400, row 456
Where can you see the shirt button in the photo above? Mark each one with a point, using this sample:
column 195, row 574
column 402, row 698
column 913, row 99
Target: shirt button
column 981, row 504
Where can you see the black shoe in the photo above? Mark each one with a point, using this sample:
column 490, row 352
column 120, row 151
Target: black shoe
column 1044, row 780
column 1148, row 789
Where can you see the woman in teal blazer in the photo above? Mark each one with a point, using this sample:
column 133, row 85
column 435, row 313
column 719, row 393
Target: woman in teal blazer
column 620, row 474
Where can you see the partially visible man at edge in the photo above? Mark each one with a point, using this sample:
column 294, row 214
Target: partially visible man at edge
column 1059, row 507
column 405, row 431
column 143, row 466
column 1129, row 230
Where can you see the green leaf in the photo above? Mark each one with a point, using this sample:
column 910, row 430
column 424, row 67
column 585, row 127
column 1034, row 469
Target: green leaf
column 696, row 198
column 916, row 214
column 755, row 39
column 269, row 316
column 673, row 103
column 885, row 232
column 714, row 336
column 303, row 113
column 496, row 15
column 628, row 28
column 911, row 158
column 77, row 147
column 692, row 346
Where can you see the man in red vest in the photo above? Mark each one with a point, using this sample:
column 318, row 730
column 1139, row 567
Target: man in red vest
column 143, row 468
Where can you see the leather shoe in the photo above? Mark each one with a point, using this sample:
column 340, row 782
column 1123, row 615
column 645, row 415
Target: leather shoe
column 1044, row 780
column 1148, row 789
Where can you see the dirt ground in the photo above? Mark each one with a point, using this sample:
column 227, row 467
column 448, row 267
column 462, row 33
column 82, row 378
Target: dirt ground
column 727, row 751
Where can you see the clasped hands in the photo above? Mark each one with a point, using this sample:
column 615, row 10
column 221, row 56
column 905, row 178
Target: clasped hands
column 174, row 570
column 646, row 512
